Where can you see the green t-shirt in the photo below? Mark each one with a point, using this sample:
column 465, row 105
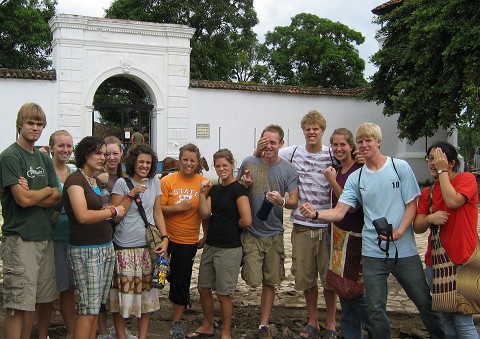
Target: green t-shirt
column 31, row 223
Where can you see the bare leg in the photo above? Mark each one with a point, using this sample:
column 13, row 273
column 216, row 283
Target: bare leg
column 119, row 323
column 331, row 307
column 177, row 312
column 206, row 299
column 44, row 312
column 268, row 297
column 66, row 304
column 143, row 322
column 102, row 322
column 311, row 299
column 12, row 324
column 27, row 324
column 226, row 307
column 85, row 327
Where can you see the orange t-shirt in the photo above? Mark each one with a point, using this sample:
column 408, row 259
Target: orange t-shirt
column 183, row 227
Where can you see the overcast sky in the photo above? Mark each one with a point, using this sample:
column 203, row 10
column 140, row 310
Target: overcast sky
column 356, row 14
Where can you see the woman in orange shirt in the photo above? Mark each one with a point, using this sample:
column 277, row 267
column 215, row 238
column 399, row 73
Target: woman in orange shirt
column 184, row 206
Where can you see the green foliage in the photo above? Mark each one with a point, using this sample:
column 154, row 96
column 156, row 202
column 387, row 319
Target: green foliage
column 220, row 27
column 313, row 51
column 429, row 66
column 25, row 37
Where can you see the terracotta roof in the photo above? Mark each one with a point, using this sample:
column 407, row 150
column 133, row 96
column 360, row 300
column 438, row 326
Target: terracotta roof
column 353, row 92
column 386, row 7
column 7, row 73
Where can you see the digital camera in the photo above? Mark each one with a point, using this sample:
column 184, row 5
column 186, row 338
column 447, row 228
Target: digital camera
column 383, row 227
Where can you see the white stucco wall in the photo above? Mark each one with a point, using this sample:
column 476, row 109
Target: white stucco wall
column 16, row 92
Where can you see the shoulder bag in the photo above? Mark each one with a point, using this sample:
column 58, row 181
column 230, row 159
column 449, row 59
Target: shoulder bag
column 152, row 234
column 455, row 288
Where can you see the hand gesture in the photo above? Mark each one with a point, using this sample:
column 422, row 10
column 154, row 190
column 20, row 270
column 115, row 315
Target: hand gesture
column 246, row 179
column 205, row 186
column 307, row 210
column 359, row 159
column 161, row 248
column 261, row 144
column 330, row 174
column 185, row 205
column 440, row 159
column 103, row 177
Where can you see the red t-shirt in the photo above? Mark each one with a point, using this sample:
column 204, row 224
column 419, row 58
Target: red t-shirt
column 459, row 234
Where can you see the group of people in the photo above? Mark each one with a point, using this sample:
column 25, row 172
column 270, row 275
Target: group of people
column 60, row 236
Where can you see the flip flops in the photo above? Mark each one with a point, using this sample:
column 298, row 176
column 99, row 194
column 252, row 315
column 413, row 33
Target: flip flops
column 199, row 335
column 312, row 332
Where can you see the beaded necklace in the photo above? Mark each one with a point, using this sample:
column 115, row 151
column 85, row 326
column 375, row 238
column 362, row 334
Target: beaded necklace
column 91, row 181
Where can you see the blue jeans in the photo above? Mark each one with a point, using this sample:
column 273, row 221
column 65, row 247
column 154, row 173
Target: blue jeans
column 354, row 315
column 409, row 274
column 456, row 325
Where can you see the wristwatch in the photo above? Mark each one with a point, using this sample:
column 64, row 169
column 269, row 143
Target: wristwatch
column 165, row 236
column 441, row 171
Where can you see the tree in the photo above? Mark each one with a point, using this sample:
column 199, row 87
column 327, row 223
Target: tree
column 25, row 36
column 313, row 51
column 220, row 25
column 429, row 66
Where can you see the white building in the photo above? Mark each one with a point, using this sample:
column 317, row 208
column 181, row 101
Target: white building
column 155, row 57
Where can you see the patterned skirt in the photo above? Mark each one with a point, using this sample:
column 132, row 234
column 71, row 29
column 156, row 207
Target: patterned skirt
column 132, row 292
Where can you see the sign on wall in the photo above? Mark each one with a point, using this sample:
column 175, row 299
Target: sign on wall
column 203, row 131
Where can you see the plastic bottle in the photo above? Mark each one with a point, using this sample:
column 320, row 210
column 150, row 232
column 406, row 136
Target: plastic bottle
column 160, row 272
column 265, row 209
column 105, row 195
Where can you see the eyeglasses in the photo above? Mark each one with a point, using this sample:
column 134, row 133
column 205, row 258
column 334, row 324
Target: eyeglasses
column 429, row 158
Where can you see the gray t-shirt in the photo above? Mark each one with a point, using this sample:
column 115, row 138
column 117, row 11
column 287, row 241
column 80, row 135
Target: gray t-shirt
column 130, row 231
column 281, row 177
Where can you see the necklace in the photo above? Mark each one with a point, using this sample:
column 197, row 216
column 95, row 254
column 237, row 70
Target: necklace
column 91, row 181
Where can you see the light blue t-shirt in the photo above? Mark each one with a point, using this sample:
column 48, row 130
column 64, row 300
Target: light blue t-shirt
column 383, row 193
column 130, row 231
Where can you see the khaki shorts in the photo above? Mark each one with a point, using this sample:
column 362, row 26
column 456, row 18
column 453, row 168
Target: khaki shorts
column 219, row 269
column 263, row 259
column 310, row 256
column 28, row 273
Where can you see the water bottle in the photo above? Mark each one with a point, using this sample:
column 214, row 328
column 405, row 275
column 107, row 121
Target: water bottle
column 105, row 195
column 265, row 209
column 160, row 272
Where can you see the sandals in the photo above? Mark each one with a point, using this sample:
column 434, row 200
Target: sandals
column 311, row 332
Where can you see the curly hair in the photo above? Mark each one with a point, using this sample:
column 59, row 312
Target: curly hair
column 132, row 156
column 85, row 147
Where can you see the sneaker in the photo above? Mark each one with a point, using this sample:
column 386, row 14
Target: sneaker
column 264, row 332
column 128, row 335
column 177, row 331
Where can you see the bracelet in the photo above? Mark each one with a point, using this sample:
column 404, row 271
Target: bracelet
column 129, row 197
column 284, row 202
column 316, row 216
column 426, row 218
column 114, row 212
column 165, row 236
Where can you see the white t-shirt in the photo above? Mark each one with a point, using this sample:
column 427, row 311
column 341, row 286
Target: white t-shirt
column 130, row 231
column 313, row 187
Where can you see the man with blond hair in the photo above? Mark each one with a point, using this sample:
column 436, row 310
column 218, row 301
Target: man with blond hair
column 386, row 188
column 29, row 189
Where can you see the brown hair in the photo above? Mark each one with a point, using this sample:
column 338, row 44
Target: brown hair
column 30, row 111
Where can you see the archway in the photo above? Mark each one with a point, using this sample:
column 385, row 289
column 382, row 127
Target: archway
column 120, row 107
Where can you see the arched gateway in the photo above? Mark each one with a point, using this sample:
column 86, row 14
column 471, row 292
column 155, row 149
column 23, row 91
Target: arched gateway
column 128, row 74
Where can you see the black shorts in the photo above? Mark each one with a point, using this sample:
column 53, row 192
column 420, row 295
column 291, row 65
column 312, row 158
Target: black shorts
column 181, row 264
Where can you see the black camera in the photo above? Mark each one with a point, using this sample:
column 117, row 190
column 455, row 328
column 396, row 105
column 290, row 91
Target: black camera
column 383, row 227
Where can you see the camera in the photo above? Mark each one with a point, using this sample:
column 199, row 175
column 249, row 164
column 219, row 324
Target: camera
column 383, row 227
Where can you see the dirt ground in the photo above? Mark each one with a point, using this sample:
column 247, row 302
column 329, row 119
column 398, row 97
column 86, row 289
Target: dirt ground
column 286, row 321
